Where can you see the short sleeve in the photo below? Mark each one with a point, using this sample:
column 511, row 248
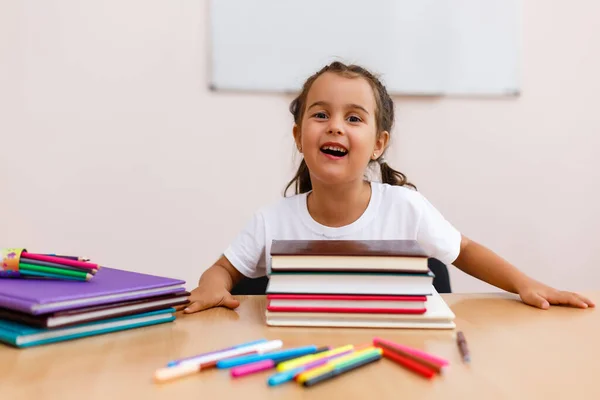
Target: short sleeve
column 438, row 237
column 246, row 252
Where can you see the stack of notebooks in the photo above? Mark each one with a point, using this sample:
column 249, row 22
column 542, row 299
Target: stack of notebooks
column 35, row 312
column 345, row 283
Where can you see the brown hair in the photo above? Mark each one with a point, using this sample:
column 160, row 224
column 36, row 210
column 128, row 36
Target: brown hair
column 384, row 118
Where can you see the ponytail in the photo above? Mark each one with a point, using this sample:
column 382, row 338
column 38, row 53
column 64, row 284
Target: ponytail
column 301, row 180
column 393, row 177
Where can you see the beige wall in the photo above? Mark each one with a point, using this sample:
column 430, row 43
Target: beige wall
column 112, row 146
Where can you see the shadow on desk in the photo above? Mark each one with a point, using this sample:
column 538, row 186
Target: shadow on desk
column 258, row 286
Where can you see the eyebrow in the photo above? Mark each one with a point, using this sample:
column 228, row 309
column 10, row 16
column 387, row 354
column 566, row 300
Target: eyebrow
column 324, row 103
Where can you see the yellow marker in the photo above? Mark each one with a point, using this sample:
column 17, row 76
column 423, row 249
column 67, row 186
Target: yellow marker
column 296, row 362
column 311, row 373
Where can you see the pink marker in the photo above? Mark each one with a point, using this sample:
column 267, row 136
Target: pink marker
column 251, row 368
column 416, row 352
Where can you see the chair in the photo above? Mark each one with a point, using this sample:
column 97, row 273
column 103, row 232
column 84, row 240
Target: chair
column 258, row 286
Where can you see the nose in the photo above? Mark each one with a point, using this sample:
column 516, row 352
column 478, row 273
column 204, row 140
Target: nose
column 335, row 127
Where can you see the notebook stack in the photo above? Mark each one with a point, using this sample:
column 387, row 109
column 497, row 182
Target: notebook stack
column 42, row 311
column 344, row 283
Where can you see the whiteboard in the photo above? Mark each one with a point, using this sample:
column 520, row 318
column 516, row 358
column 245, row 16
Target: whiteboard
column 418, row 47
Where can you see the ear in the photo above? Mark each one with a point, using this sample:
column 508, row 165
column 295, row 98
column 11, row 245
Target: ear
column 381, row 144
column 297, row 137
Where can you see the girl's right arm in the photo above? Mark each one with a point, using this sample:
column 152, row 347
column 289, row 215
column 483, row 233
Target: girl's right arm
column 214, row 287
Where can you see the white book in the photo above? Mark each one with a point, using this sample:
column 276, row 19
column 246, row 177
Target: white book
column 438, row 316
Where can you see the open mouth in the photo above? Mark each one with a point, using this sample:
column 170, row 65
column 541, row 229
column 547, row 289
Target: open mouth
column 334, row 151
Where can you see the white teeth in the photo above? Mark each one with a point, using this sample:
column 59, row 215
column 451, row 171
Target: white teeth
column 334, row 148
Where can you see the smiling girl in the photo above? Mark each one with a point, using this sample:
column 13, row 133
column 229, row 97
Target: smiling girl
column 342, row 123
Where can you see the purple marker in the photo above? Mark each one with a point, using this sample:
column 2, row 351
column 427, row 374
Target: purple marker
column 177, row 362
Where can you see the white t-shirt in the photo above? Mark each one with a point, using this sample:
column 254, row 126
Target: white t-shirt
column 393, row 213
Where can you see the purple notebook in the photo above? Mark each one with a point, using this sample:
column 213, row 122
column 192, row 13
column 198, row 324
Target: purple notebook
column 109, row 285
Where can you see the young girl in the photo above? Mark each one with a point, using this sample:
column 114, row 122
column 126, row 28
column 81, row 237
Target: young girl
column 343, row 120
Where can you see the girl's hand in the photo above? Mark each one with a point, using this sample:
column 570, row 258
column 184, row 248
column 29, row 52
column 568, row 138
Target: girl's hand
column 204, row 297
column 539, row 295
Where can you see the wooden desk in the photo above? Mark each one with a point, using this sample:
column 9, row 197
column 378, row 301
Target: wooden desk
column 518, row 353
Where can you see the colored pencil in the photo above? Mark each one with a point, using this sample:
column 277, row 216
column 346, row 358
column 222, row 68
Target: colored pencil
column 56, row 265
column 343, row 368
column 408, row 363
column 74, row 258
column 46, row 275
column 53, row 270
column 439, row 368
column 59, row 260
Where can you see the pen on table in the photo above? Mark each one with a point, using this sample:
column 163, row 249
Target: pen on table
column 263, row 365
column 195, row 365
column 462, row 347
column 261, row 347
column 333, row 364
column 175, row 362
column 409, row 363
column 342, row 368
column 274, row 355
column 312, row 357
column 291, row 373
column 330, row 364
column 184, row 369
column 435, row 366
column 416, row 352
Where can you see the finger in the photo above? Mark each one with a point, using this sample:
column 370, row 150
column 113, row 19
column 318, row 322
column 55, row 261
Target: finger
column 534, row 299
column 230, row 302
column 196, row 306
column 567, row 299
column 587, row 301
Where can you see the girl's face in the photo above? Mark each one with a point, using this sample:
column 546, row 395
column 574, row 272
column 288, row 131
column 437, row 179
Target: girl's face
column 338, row 133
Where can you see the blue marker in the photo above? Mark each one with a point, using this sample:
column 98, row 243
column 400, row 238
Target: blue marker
column 285, row 376
column 275, row 356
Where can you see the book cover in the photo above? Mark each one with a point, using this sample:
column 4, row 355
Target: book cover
column 340, row 255
column 437, row 316
column 108, row 286
column 373, row 248
column 346, row 303
column 96, row 313
column 20, row 335
column 348, row 310
column 350, row 283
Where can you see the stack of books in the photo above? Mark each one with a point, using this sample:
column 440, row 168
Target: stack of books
column 42, row 311
column 345, row 283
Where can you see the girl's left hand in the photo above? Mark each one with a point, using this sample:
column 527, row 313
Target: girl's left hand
column 539, row 295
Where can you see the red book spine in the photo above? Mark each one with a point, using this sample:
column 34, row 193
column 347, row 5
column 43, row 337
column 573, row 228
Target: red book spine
column 348, row 310
column 343, row 297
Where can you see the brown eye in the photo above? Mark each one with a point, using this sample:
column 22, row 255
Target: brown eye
column 320, row 115
column 354, row 118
